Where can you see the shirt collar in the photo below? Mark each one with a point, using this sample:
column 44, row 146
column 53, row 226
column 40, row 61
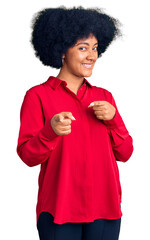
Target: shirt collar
column 55, row 82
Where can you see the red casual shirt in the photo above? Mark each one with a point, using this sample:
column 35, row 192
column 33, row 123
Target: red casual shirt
column 79, row 176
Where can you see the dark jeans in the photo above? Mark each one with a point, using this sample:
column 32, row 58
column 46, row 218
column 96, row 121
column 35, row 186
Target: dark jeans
column 100, row 229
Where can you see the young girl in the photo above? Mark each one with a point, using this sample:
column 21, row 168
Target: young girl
column 74, row 129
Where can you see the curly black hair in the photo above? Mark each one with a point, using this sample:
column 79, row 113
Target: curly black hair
column 54, row 30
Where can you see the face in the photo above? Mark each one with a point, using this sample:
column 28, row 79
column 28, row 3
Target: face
column 79, row 60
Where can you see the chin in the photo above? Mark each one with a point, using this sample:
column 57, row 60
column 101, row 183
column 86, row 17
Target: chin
column 88, row 74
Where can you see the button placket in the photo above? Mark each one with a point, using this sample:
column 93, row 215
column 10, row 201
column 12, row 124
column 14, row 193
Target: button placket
column 88, row 160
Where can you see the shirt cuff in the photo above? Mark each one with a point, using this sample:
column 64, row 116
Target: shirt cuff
column 47, row 134
column 116, row 121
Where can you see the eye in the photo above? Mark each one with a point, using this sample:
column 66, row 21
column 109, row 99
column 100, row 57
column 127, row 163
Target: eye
column 96, row 48
column 85, row 48
column 82, row 48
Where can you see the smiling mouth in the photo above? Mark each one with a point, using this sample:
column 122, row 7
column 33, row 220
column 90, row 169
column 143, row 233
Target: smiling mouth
column 87, row 65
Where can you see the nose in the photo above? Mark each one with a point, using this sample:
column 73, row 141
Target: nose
column 91, row 55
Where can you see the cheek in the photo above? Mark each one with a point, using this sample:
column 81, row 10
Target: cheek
column 78, row 56
column 75, row 60
column 81, row 57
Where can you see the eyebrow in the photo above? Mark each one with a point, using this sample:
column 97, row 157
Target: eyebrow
column 85, row 43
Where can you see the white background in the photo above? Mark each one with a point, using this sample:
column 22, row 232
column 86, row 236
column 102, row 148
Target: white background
column 123, row 70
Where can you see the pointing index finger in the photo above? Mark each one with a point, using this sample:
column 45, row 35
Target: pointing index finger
column 91, row 104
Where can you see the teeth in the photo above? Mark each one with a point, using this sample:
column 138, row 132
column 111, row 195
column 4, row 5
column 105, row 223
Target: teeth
column 87, row 65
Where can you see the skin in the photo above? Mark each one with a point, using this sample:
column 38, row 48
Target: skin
column 73, row 73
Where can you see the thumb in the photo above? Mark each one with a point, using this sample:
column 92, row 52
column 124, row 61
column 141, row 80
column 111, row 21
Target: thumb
column 68, row 115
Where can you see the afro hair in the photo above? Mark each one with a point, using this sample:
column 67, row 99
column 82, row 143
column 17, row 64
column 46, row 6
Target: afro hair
column 54, row 30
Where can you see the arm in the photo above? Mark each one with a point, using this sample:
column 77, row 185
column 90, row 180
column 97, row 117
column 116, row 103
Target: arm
column 36, row 140
column 122, row 142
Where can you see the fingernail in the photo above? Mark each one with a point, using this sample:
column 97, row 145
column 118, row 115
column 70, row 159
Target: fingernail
column 91, row 104
column 73, row 118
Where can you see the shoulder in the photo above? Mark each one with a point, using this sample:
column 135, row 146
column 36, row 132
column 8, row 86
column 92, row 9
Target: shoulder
column 36, row 91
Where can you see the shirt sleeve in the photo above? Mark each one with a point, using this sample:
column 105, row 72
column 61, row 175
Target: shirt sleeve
column 36, row 137
column 122, row 142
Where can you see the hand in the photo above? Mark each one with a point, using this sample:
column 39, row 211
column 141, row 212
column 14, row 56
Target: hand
column 103, row 110
column 61, row 123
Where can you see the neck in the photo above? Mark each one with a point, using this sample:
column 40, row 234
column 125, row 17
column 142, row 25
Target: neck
column 73, row 82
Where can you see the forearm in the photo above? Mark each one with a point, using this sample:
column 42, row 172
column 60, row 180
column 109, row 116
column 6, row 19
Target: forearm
column 121, row 141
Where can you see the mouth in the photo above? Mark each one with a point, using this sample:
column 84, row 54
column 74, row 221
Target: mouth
column 87, row 65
